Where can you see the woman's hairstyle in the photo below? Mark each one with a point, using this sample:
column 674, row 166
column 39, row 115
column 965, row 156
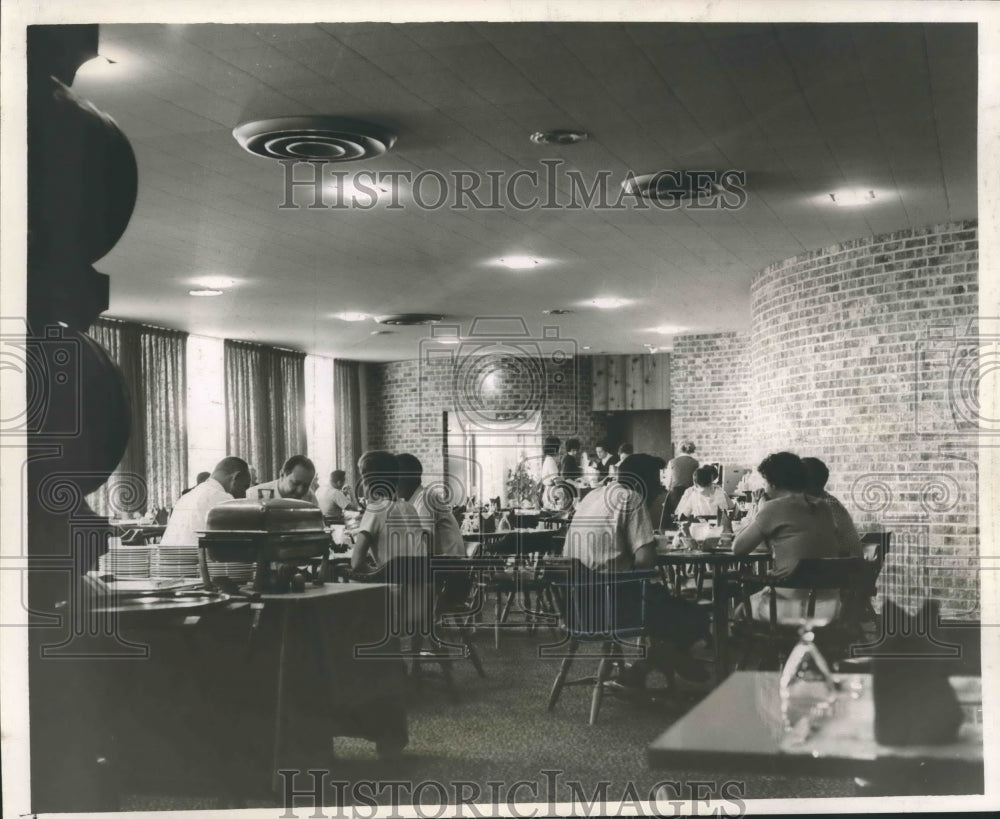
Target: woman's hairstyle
column 626, row 449
column 687, row 447
column 816, row 475
column 705, row 475
column 784, row 470
column 551, row 445
column 572, row 443
column 642, row 473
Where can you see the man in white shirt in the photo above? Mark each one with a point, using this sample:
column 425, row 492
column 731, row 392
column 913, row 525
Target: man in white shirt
column 435, row 514
column 228, row 480
column 390, row 527
column 335, row 498
column 295, row 482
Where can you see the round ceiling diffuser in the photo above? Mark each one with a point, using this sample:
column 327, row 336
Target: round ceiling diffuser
column 558, row 137
column 670, row 185
column 409, row 319
column 314, row 138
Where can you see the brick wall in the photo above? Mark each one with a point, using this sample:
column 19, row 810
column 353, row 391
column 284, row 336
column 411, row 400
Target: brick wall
column 710, row 396
column 845, row 369
column 406, row 400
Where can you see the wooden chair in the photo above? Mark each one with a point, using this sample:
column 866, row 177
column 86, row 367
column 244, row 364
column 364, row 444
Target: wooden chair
column 605, row 610
column 429, row 590
column 844, row 574
column 524, row 550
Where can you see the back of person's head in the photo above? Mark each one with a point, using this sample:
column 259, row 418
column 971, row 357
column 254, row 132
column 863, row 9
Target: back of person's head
column 338, row 475
column 202, row 477
column 817, row 475
column 705, row 475
column 551, row 445
column 572, row 444
column 626, row 449
column 380, row 471
column 230, row 465
column 296, row 461
column 687, row 447
column 641, row 472
column 410, row 467
column 784, row 470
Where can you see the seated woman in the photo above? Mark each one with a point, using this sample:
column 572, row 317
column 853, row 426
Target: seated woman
column 705, row 498
column 794, row 526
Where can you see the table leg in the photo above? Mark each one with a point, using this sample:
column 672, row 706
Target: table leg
column 720, row 622
column 279, row 716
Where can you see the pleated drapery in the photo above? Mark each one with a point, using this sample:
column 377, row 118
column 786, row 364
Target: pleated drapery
column 153, row 470
column 265, row 404
column 347, row 416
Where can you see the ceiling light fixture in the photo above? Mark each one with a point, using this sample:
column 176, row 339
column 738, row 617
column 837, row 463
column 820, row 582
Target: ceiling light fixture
column 558, row 137
column 214, row 282
column 351, row 316
column 608, row 302
column 314, row 138
column 558, row 311
column 96, row 67
column 519, row 262
column 667, row 329
column 673, row 185
column 852, row 198
column 205, row 291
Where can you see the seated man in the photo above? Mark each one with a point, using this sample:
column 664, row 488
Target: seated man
column 336, row 498
column 705, row 498
column 610, row 532
column 228, row 480
column 435, row 513
column 295, row 481
column 847, row 535
column 390, row 527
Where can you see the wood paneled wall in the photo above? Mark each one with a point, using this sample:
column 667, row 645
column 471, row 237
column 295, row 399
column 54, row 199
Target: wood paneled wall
column 631, row 382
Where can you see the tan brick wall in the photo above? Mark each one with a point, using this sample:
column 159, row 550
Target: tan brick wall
column 855, row 356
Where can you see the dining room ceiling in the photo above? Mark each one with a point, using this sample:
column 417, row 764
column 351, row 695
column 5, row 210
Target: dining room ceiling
column 803, row 110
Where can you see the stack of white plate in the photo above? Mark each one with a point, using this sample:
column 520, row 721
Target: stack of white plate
column 126, row 561
column 238, row 571
column 174, row 561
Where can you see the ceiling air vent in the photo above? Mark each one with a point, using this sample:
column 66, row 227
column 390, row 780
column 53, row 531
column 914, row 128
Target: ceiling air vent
column 672, row 185
column 409, row 319
column 558, row 137
column 314, row 138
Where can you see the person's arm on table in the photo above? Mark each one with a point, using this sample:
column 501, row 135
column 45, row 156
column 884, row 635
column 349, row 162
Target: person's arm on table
column 645, row 556
column 749, row 539
column 359, row 554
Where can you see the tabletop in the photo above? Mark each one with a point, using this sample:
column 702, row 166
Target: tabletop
column 740, row 727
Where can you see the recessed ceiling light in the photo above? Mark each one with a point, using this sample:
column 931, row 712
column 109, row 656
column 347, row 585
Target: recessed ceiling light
column 608, row 302
column 519, row 262
column 558, row 137
column 558, row 311
column 215, row 282
column 205, row 291
column 586, row 347
column 350, row 316
column 667, row 329
column 852, row 198
column 448, row 340
column 380, row 333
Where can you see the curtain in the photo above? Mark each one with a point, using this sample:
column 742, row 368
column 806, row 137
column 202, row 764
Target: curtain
column 153, row 469
column 164, row 399
column 347, row 417
column 265, row 400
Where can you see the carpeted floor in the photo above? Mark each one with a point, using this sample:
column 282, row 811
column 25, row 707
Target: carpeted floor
column 500, row 734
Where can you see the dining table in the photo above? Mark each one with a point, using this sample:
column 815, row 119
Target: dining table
column 741, row 727
column 726, row 568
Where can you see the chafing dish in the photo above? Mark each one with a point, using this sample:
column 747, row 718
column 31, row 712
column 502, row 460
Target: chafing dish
column 279, row 530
